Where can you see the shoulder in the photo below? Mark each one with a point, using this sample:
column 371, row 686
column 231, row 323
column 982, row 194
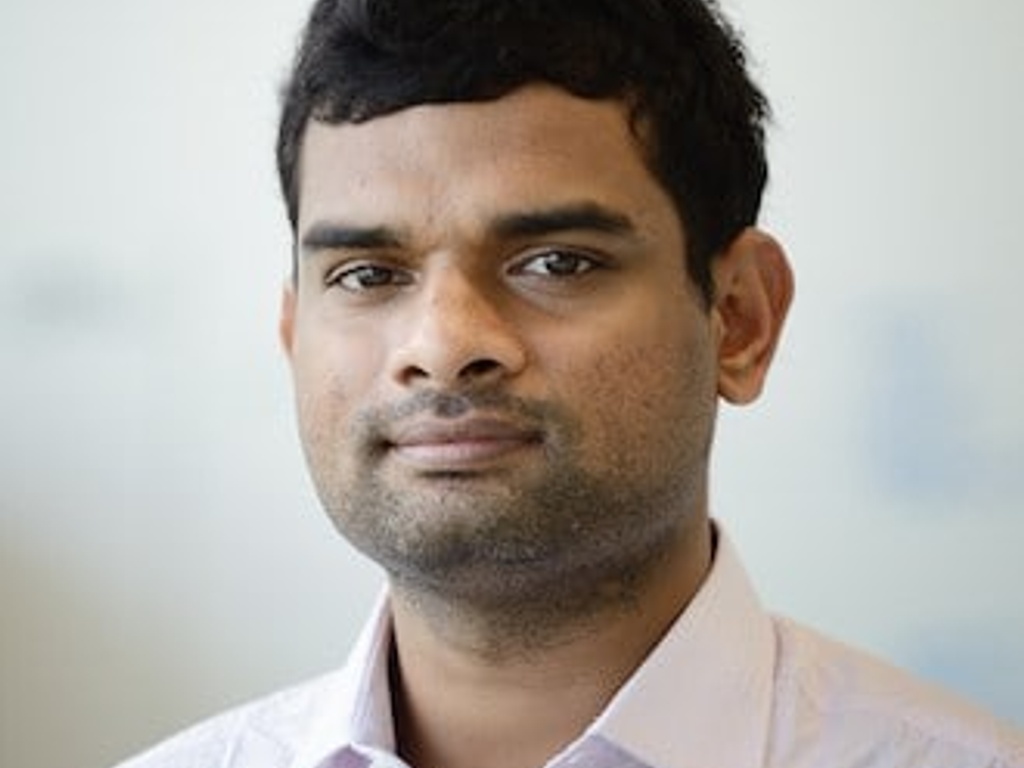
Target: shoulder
column 840, row 706
column 263, row 733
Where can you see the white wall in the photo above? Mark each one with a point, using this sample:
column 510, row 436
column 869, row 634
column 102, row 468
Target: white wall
column 161, row 553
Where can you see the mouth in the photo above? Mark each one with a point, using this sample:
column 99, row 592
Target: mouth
column 461, row 446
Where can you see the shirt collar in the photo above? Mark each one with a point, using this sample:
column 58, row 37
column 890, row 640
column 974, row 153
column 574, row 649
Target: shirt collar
column 354, row 714
column 702, row 697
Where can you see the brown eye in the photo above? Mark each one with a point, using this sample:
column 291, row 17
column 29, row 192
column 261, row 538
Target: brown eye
column 367, row 277
column 558, row 263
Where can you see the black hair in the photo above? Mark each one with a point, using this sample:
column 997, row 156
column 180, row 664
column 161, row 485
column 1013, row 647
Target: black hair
column 677, row 64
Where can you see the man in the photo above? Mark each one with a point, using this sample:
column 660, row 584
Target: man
column 526, row 268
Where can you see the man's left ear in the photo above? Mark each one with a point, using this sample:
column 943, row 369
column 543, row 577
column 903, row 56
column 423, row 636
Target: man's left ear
column 753, row 291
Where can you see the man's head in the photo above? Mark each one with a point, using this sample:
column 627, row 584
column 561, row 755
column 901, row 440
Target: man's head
column 676, row 64
column 506, row 379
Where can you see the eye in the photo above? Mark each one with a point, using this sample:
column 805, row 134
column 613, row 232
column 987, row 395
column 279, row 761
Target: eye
column 557, row 263
column 360, row 278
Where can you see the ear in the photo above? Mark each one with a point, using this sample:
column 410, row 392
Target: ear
column 286, row 321
column 753, row 291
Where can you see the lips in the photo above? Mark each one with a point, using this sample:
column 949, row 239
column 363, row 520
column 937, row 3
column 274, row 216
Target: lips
column 461, row 445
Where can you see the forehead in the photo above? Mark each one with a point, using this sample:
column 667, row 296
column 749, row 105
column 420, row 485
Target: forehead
column 535, row 146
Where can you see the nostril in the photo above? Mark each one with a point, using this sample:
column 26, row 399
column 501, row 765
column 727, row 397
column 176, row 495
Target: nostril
column 476, row 372
column 477, row 368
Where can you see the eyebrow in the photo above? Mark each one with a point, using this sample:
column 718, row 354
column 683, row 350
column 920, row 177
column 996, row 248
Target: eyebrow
column 573, row 217
column 325, row 236
column 584, row 216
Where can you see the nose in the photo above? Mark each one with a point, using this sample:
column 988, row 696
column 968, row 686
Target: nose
column 456, row 335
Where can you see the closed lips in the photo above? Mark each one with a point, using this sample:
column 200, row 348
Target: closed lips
column 464, row 442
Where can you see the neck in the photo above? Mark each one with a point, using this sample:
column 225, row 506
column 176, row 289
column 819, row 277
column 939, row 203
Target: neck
column 473, row 687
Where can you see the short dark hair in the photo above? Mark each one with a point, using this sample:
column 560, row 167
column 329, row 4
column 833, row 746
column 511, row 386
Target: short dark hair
column 677, row 64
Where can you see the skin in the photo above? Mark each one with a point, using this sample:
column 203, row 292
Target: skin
column 506, row 388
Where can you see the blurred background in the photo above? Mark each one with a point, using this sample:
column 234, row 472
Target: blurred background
column 162, row 554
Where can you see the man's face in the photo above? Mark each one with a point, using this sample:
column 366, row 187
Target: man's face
column 504, row 377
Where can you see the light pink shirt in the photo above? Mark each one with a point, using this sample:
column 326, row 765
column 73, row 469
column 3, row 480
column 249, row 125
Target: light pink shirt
column 730, row 686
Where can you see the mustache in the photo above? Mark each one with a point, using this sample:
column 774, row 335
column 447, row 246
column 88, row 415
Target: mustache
column 374, row 423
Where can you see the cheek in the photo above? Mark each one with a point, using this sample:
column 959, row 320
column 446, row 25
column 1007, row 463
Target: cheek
column 334, row 374
column 640, row 401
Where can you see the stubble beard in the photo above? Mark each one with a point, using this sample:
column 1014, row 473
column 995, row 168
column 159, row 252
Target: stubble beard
column 531, row 552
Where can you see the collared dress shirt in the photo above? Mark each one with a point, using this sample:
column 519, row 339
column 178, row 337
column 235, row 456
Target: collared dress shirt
column 729, row 686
